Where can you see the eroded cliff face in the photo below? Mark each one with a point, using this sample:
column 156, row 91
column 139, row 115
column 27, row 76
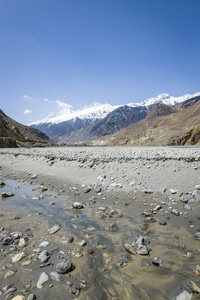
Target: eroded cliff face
column 192, row 137
column 14, row 134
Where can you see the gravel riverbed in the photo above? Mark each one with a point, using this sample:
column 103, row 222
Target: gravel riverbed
column 100, row 223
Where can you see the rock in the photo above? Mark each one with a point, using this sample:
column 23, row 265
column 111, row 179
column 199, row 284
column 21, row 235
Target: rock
column 156, row 261
column 163, row 223
column 10, row 273
column 34, row 176
column 150, row 220
column 148, row 190
column 26, row 263
column 195, row 287
column 77, row 205
column 158, row 207
column 101, row 208
column 173, row 191
column 142, row 250
column 8, row 241
column 22, row 242
column 54, row 229
column 175, row 212
column 97, row 189
column 2, row 184
column 18, row 257
column 55, row 276
column 87, row 190
column 64, row 267
column 44, row 244
column 19, row 297
column 31, row 297
column 10, row 290
column 6, row 195
column 67, row 239
column 44, row 256
column 130, row 249
column 83, row 243
column 184, row 296
column 197, row 187
column 43, row 278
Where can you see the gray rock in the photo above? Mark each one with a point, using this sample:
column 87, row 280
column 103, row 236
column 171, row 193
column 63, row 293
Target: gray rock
column 6, row 195
column 197, row 235
column 156, row 261
column 55, row 276
column 130, row 249
column 67, row 239
column 112, row 227
column 97, row 189
column 77, row 205
column 142, row 250
column 7, row 241
column 83, row 243
column 64, row 267
column 42, row 279
column 184, row 296
column 34, row 176
column 175, row 212
column 87, row 190
column 163, row 223
column 53, row 229
column 173, row 191
column 44, row 256
column 31, row 297
column 148, row 190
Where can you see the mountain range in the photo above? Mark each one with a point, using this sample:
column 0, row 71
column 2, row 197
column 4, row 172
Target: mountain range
column 133, row 123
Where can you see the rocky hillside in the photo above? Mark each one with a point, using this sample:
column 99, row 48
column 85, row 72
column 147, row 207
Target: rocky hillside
column 14, row 134
column 163, row 125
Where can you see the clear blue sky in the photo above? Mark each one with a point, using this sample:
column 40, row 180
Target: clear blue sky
column 109, row 51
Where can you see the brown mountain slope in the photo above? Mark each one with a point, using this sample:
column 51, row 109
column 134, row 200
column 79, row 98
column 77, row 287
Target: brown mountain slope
column 162, row 126
column 14, row 134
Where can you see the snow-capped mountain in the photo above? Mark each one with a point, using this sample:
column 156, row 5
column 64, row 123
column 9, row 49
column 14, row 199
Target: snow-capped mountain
column 96, row 120
column 98, row 111
column 93, row 112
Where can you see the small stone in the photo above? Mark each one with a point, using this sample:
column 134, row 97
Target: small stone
column 130, row 249
column 175, row 212
column 18, row 257
column 55, row 276
column 34, row 176
column 22, row 242
column 184, row 296
column 156, row 261
column 77, row 205
column 44, row 244
column 197, row 187
column 142, row 250
column 6, row 195
column 7, row 241
column 31, row 297
column 197, row 235
column 67, row 239
column 43, row 278
column 83, row 243
column 87, row 190
column 64, row 267
column 163, row 223
column 112, row 227
column 44, row 256
column 26, row 263
column 10, row 273
column 148, row 190
column 54, row 229
column 2, row 184
column 19, row 297
column 173, row 191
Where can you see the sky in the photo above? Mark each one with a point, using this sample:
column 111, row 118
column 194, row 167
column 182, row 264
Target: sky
column 82, row 51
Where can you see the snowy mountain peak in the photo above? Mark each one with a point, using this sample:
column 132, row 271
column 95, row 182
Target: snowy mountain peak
column 97, row 110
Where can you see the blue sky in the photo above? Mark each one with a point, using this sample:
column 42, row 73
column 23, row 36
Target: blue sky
column 81, row 51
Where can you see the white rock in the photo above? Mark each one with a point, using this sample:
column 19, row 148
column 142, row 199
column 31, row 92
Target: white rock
column 44, row 244
column 184, row 296
column 18, row 257
column 55, row 276
column 43, row 278
column 54, row 229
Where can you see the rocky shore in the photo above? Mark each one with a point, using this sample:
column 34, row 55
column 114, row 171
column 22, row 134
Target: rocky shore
column 100, row 223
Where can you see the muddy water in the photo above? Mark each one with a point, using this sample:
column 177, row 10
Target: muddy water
column 110, row 272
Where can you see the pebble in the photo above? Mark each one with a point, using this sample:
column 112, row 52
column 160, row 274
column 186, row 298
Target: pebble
column 83, row 243
column 175, row 212
column 22, row 242
column 44, row 256
column 173, row 191
column 64, row 267
column 19, row 297
column 6, row 195
column 10, row 273
column 156, row 261
column 55, row 276
column 130, row 249
column 31, row 297
column 54, row 229
column 87, row 190
column 184, row 296
column 77, row 205
column 67, row 239
column 18, row 257
column 44, row 244
column 42, row 279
